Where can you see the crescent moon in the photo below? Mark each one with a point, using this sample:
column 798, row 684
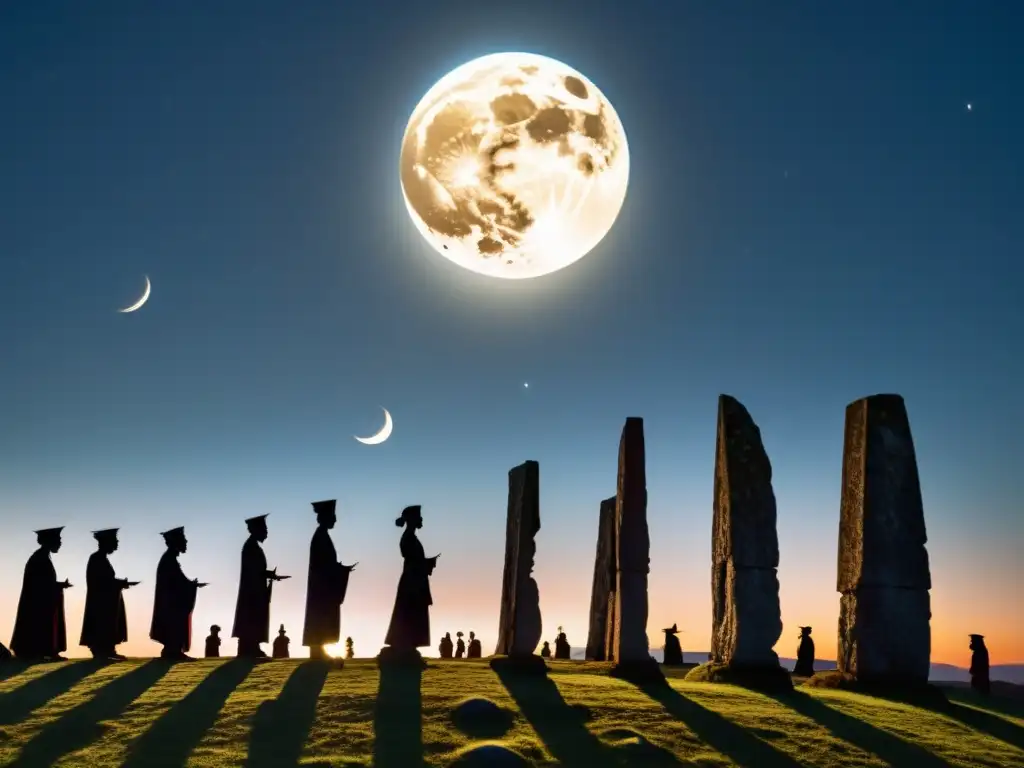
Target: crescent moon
column 138, row 304
column 384, row 434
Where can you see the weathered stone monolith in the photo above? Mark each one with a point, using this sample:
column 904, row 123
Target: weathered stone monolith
column 602, row 596
column 883, row 574
column 630, row 646
column 519, row 625
column 746, row 616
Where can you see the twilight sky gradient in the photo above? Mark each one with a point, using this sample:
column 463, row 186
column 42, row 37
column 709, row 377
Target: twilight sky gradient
column 814, row 215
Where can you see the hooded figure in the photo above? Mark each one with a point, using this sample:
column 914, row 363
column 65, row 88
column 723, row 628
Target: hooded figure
column 40, row 631
column 326, row 584
column 213, row 643
column 460, row 646
column 281, row 643
column 979, row 665
column 805, row 654
column 174, row 600
column 673, row 650
column 410, row 620
column 473, row 650
column 562, row 649
column 104, row 625
column 545, row 651
column 446, row 647
column 255, row 589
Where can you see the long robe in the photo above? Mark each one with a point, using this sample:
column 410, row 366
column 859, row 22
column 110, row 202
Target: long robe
column 474, row 650
column 673, row 651
column 562, row 650
column 460, row 649
column 212, row 647
column 173, row 603
column 804, row 657
column 40, row 630
column 105, row 623
column 446, row 648
column 326, row 586
column 980, row 670
column 252, row 610
column 410, row 619
column 281, row 643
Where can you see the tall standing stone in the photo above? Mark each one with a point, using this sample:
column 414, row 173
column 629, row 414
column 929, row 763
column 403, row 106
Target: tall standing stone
column 602, row 596
column 883, row 573
column 630, row 647
column 746, row 616
column 519, row 626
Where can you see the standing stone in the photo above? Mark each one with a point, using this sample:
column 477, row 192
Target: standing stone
column 519, row 626
column 602, row 597
column 746, row 616
column 883, row 574
column 630, row 646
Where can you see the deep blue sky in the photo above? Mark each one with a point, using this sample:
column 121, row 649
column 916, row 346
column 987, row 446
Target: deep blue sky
column 814, row 215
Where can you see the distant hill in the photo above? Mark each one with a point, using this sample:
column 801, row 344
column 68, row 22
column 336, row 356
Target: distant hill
column 1010, row 673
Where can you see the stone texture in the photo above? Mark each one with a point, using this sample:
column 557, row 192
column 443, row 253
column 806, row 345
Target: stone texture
column 602, row 596
column 746, row 616
column 519, row 625
column 883, row 573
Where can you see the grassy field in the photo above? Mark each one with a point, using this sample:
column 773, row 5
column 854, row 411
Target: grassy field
column 147, row 713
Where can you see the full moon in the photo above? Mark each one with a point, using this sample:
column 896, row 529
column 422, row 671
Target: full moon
column 514, row 165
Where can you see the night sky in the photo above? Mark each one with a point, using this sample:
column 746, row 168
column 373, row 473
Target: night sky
column 825, row 202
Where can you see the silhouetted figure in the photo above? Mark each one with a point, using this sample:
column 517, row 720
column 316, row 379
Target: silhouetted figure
column 446, row 647
column 255, row 589
column 326, row 584
column 545, row 651
column 350, row 652
column 213, row 643
column 104, row 625
column 410, row 620
column 805, row 654
column 460, row 646
column 40, row 632
column 673, row 650
column 562, row 650
column 473, row 650
column 979, row 665
column 281, row 643
column 174, row 600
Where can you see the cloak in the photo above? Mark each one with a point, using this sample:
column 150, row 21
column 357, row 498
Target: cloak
column 105, row 624
column 252, row 610
column 410, row 619
column 173, row 603
column 326, row 585
column 39, row 629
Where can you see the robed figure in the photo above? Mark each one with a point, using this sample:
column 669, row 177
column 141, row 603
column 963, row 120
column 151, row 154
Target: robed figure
column 673, row 652
column 804, row 654
column 473, row 650
column 40, row 632
column 410, row 620
column 105, row 625
column 979, row 665
column 174, row 600
column 213, row 643
column 545, row 650
column 255, row 589
column 281, row 643
column 460, row 646
column 446, row 648
column 326, row 584
column 562, row 649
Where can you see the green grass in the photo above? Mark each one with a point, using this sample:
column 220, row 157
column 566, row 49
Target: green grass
column 147, row 713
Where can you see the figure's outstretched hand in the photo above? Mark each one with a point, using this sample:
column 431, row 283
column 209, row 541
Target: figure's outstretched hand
column 66, row 584
column 200, row 584
column 280, row 578
column 130, row 584
column 350, row 568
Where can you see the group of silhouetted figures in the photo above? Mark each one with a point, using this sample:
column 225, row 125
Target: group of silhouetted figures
column 40, row 632
column 447, row 650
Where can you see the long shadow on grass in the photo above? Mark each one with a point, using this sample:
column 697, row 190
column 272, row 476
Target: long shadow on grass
column 558, row 725
column 989, row 723
column 81, row 726
column 281, row 726
column 398, row 717
column 18, row 704
column 719, row 732
column 887, row 746
column 175, row 735
column 11, row 667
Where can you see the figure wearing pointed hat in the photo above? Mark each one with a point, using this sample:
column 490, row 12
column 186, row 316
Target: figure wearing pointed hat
column 174, row 600
column 673, row 653
column 326, row 584
column 281, row 643
column 40, row 631
column 104, row 625
column 562, row 648
column 979, row 665
column 805, row 654
column 255, row 590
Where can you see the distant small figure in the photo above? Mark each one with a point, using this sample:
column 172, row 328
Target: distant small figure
column 174, row 600
column 562, row 650
column 711, row 656
column 409, row 628
column 473, row 651
column 805, row 654
column 40, row 631
column 545, row 651
column 213, row 643
column 349, row 649
column 673, row 650
column 446, row 648
column 281, row 643
column 460, row 646
column 979, row 665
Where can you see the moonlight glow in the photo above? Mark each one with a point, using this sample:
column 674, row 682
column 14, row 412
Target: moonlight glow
column 514, row 165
